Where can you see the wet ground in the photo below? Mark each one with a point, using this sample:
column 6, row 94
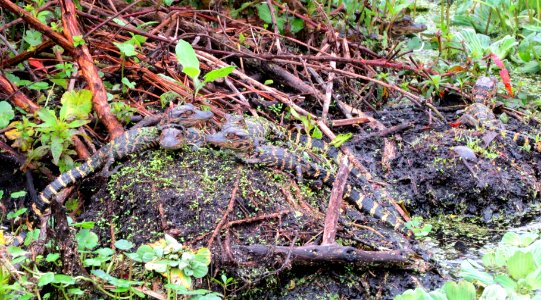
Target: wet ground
column 187, row 193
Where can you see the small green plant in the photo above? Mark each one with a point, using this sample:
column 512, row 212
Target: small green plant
column 56, row 133
column 190, row 66
column 6, row 114
column 419, row 229
column 512, row 270
column 294, row 24
column 309, row 124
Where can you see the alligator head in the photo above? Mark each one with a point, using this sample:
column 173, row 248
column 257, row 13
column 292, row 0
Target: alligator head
column 187, row 115
column 232, row 138
column 484, row 89
column 406, row 26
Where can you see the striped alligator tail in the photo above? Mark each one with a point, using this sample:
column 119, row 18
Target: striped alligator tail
column 131, row 141
column 527, row 142
column 272, row 156
column 373, row 208
column 296, row 137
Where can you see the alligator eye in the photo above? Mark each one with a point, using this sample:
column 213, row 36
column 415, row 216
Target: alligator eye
column 231, row 135
column 186, row 113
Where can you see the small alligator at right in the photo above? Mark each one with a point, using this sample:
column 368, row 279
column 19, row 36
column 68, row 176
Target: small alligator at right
column 245, row 146
column 479, row 115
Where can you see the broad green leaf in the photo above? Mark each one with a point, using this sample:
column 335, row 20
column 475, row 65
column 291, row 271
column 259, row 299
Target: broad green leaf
column 105, row 252
column 316, row 132
column 203, row 256
column 471, row 271
column 219, row 73
column 160, row 266
column 417, row 294
column 18, row 194
column 505, row 281
column 32, row 37
column 77, row 123
column 126, row 49
column 511, row 238
column 16, row 251
column 86, row 239
column 64, row 279
column 13, row 215
column 46, row 278
column 503, row 46
column 534, row 279
column 264, row 13
column 463, row 290
column 76, row 105
column 187, row 58
column 341, row 139
column 138, row 39
column 56, row 148
column 128, row 83
column 48, row 117
column 520, row 264
column 168, row 97
column 475, row 43
column 52, row 257
column 38, row 86
column 494, row 292
column 6, row 114
column 297, row 25
column 123, row 245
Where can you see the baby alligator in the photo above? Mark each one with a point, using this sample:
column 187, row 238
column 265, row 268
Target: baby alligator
column 241, row 141
column 480, row 115
column 261, row 129
column 132, row 141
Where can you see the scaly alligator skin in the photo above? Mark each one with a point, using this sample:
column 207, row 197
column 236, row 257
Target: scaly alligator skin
column 271, row 156
column 480, row 115
column 132, row 141
column 406, row 26
column 261, row 129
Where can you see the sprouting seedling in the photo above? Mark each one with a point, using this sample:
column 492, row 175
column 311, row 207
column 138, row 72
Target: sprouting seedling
column 190, row 66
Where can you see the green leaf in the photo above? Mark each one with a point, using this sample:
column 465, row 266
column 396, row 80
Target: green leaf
column 48, row 117
column 494, row 292
column 64, row 279
column 128, row 83
column 464, row 290
column 219, row 73
column 46, row 278
column 341, row 139
column 167, row 97
column 16, row 251
column 105, row 252
column 471, row 271
column 503, row 46
column 76, row 292
column 506, row 282
column 52, row 257
column 520, row 264
column 76, row 105
column 32, row 37
column 38, row 86
column 264, row 13
column 18, row 194
column 6, row 114
column 56, row 148
column 13, row 215
column 534, row 279
column 86, row 239
column 187, row 58
column 316, row 132
column 126, row 49
column 417, row 294
column 511, row 239
column 123, row 245
column 297, row 25
column 160, row 266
